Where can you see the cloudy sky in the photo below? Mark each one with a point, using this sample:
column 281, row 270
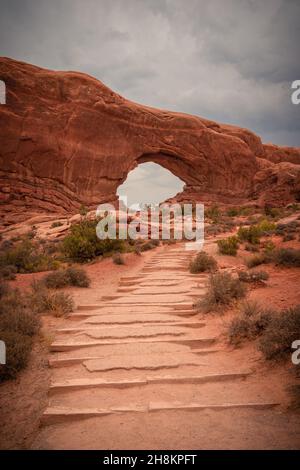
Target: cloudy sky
column 227, row 60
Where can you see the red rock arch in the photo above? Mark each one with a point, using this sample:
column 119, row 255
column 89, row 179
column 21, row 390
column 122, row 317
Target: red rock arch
column 66, row 140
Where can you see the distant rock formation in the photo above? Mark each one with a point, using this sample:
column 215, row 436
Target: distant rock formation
column 66, row 140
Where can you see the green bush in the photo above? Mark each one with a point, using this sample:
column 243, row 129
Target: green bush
column 26, row 258
column 228, row 246
column 253, row 233
column 83, row 245
column 203, row 262
column 222, row 290
column 283, row 329
column 249, row 234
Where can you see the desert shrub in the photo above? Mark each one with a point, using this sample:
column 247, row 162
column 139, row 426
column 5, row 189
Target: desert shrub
column 228, row 246
column 21, row 321
column 18, row 325
column 288, row 257
column 60, row 304
column 269, row 248
column 56, row 279
column 256, row 260
column 83, row 210
column 26, row 257
column 228, row 225
column 282, row 330
column 251, row 248
column 83, row 245
column 222, row 290
column 171, row 241
column 239, row 211
column 18, row 348
column 42, row 300
column 203, row 262
column 213, row 213
column 78, row 277
column 71, row 276
column 253, row 276
column 287, row 231
column 118, row 258
column 213, row 229
column 15, row 314
column 288, row 237
column 4, row 288
column 8, row 272
column 147, row 245
column 232, row 212
column 137, row 250
column 32, row 232
column 251, row 322
column 266, row 227
column 56, row 224
column 273, row 212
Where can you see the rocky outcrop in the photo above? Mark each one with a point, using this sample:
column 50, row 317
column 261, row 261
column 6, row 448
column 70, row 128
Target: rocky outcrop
column 67, row 139
column 277, row 154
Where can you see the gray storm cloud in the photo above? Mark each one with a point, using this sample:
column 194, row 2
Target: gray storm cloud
column 227, row 60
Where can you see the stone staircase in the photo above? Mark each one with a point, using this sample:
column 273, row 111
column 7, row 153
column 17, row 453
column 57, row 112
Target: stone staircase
column 142, row 351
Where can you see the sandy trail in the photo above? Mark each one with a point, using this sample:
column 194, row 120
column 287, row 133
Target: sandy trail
column 138, row 369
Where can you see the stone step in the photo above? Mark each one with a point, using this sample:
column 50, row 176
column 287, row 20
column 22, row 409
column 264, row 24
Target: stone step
column 164, row 268
column 191, row 342
column 180, row 304
column 79, row 384
column 82, row 315
column 141, row 362
column 55, row 415
column 116, row 325
column 130, row 331
column 71, row 361
column 123, row 319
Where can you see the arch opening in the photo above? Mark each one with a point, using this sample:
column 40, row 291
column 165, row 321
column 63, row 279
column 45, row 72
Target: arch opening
column 149, row 183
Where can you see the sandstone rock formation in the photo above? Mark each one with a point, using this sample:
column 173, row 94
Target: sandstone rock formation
column 66, row 140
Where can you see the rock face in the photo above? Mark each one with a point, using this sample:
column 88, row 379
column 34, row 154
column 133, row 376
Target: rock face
column 66, row 140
